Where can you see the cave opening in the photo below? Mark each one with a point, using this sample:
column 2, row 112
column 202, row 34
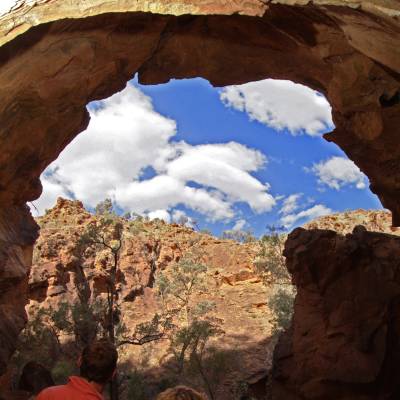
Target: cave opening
column 255, row 156
column 342, row 344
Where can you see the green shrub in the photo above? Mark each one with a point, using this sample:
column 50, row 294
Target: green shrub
column 62, row 370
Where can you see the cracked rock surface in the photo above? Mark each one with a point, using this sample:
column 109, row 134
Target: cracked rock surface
column 344, row 342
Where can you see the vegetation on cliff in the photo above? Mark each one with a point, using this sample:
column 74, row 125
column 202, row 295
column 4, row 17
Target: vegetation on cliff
column 182, row 306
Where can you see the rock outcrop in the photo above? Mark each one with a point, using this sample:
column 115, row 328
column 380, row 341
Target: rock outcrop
column 345, row 222
column 232, row 285
column 57, row 56
column 345, row 340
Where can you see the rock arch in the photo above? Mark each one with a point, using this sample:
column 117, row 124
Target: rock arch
column 56, row 56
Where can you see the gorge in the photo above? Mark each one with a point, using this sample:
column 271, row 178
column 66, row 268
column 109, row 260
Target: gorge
column 56, row 57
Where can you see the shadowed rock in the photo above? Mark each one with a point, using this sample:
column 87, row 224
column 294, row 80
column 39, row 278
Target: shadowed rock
column 345, row 340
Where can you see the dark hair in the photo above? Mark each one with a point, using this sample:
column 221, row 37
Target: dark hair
column 181, row 393
column 99, row 360
column 35, row 378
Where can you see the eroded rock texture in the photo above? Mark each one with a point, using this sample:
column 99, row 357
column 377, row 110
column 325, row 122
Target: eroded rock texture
column 17, row 235
column 345, row 338
column 57, row 56
column 240, row 297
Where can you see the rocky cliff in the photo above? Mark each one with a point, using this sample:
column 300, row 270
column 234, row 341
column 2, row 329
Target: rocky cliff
column 232, row 285
column 344, row 342
column 339, row 324
column 345, row 222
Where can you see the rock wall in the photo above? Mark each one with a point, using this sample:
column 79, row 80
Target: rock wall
column 17, row 237
column 345, row 338
column 232, row 285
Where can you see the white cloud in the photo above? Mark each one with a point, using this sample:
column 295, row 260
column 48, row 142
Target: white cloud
column 164, row 215
column 180, row 217
column 6, row 5
column 337, row 172
column 281, row 105
column 311, row 213
column 290, row 204
column 225, row 167
column 239, row 225
column 125, row 136
column 164, row 191
column 52, row 189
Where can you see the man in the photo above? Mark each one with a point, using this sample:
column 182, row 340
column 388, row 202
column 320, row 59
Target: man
column 34, row 378
column 97, row 367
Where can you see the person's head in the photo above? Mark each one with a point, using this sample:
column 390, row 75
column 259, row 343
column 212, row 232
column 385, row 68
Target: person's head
column 98, row 361
column 181, row 393
column 35, row 378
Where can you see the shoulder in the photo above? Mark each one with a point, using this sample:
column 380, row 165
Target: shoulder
column 50, row 392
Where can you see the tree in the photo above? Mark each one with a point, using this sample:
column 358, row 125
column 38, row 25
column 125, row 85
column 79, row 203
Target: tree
column 271, row 265
column 196, row 356
column 195, row 326
column 105, row 207
column 182, row 219
column 43, row 338
column 176, row 291
column 239, row 235
column 106, row 234
column 38, row 341
column 270, row 262
column 48, row 334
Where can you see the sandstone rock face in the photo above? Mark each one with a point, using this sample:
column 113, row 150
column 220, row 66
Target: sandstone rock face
column 57, row 56
column 17, row 236
column 238, row 293
column 344, row 341
column 345, row 222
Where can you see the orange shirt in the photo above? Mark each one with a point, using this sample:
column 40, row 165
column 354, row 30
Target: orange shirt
column 77, row 388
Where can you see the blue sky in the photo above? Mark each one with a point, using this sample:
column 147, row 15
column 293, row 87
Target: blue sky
column 245, row 157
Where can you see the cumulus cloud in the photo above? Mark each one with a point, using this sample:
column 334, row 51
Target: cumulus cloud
column 52, row 189
column 239, row 225
column 225, row 167
column 337, row 172
column 6, row 6
column 316, row 211
column 164, row 215
column 125, row 137
column 281, row 105
column 290, row 204
column 164, row 191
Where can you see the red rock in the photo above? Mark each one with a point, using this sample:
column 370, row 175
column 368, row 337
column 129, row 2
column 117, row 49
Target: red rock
column 344, row 342
column 241, row 306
